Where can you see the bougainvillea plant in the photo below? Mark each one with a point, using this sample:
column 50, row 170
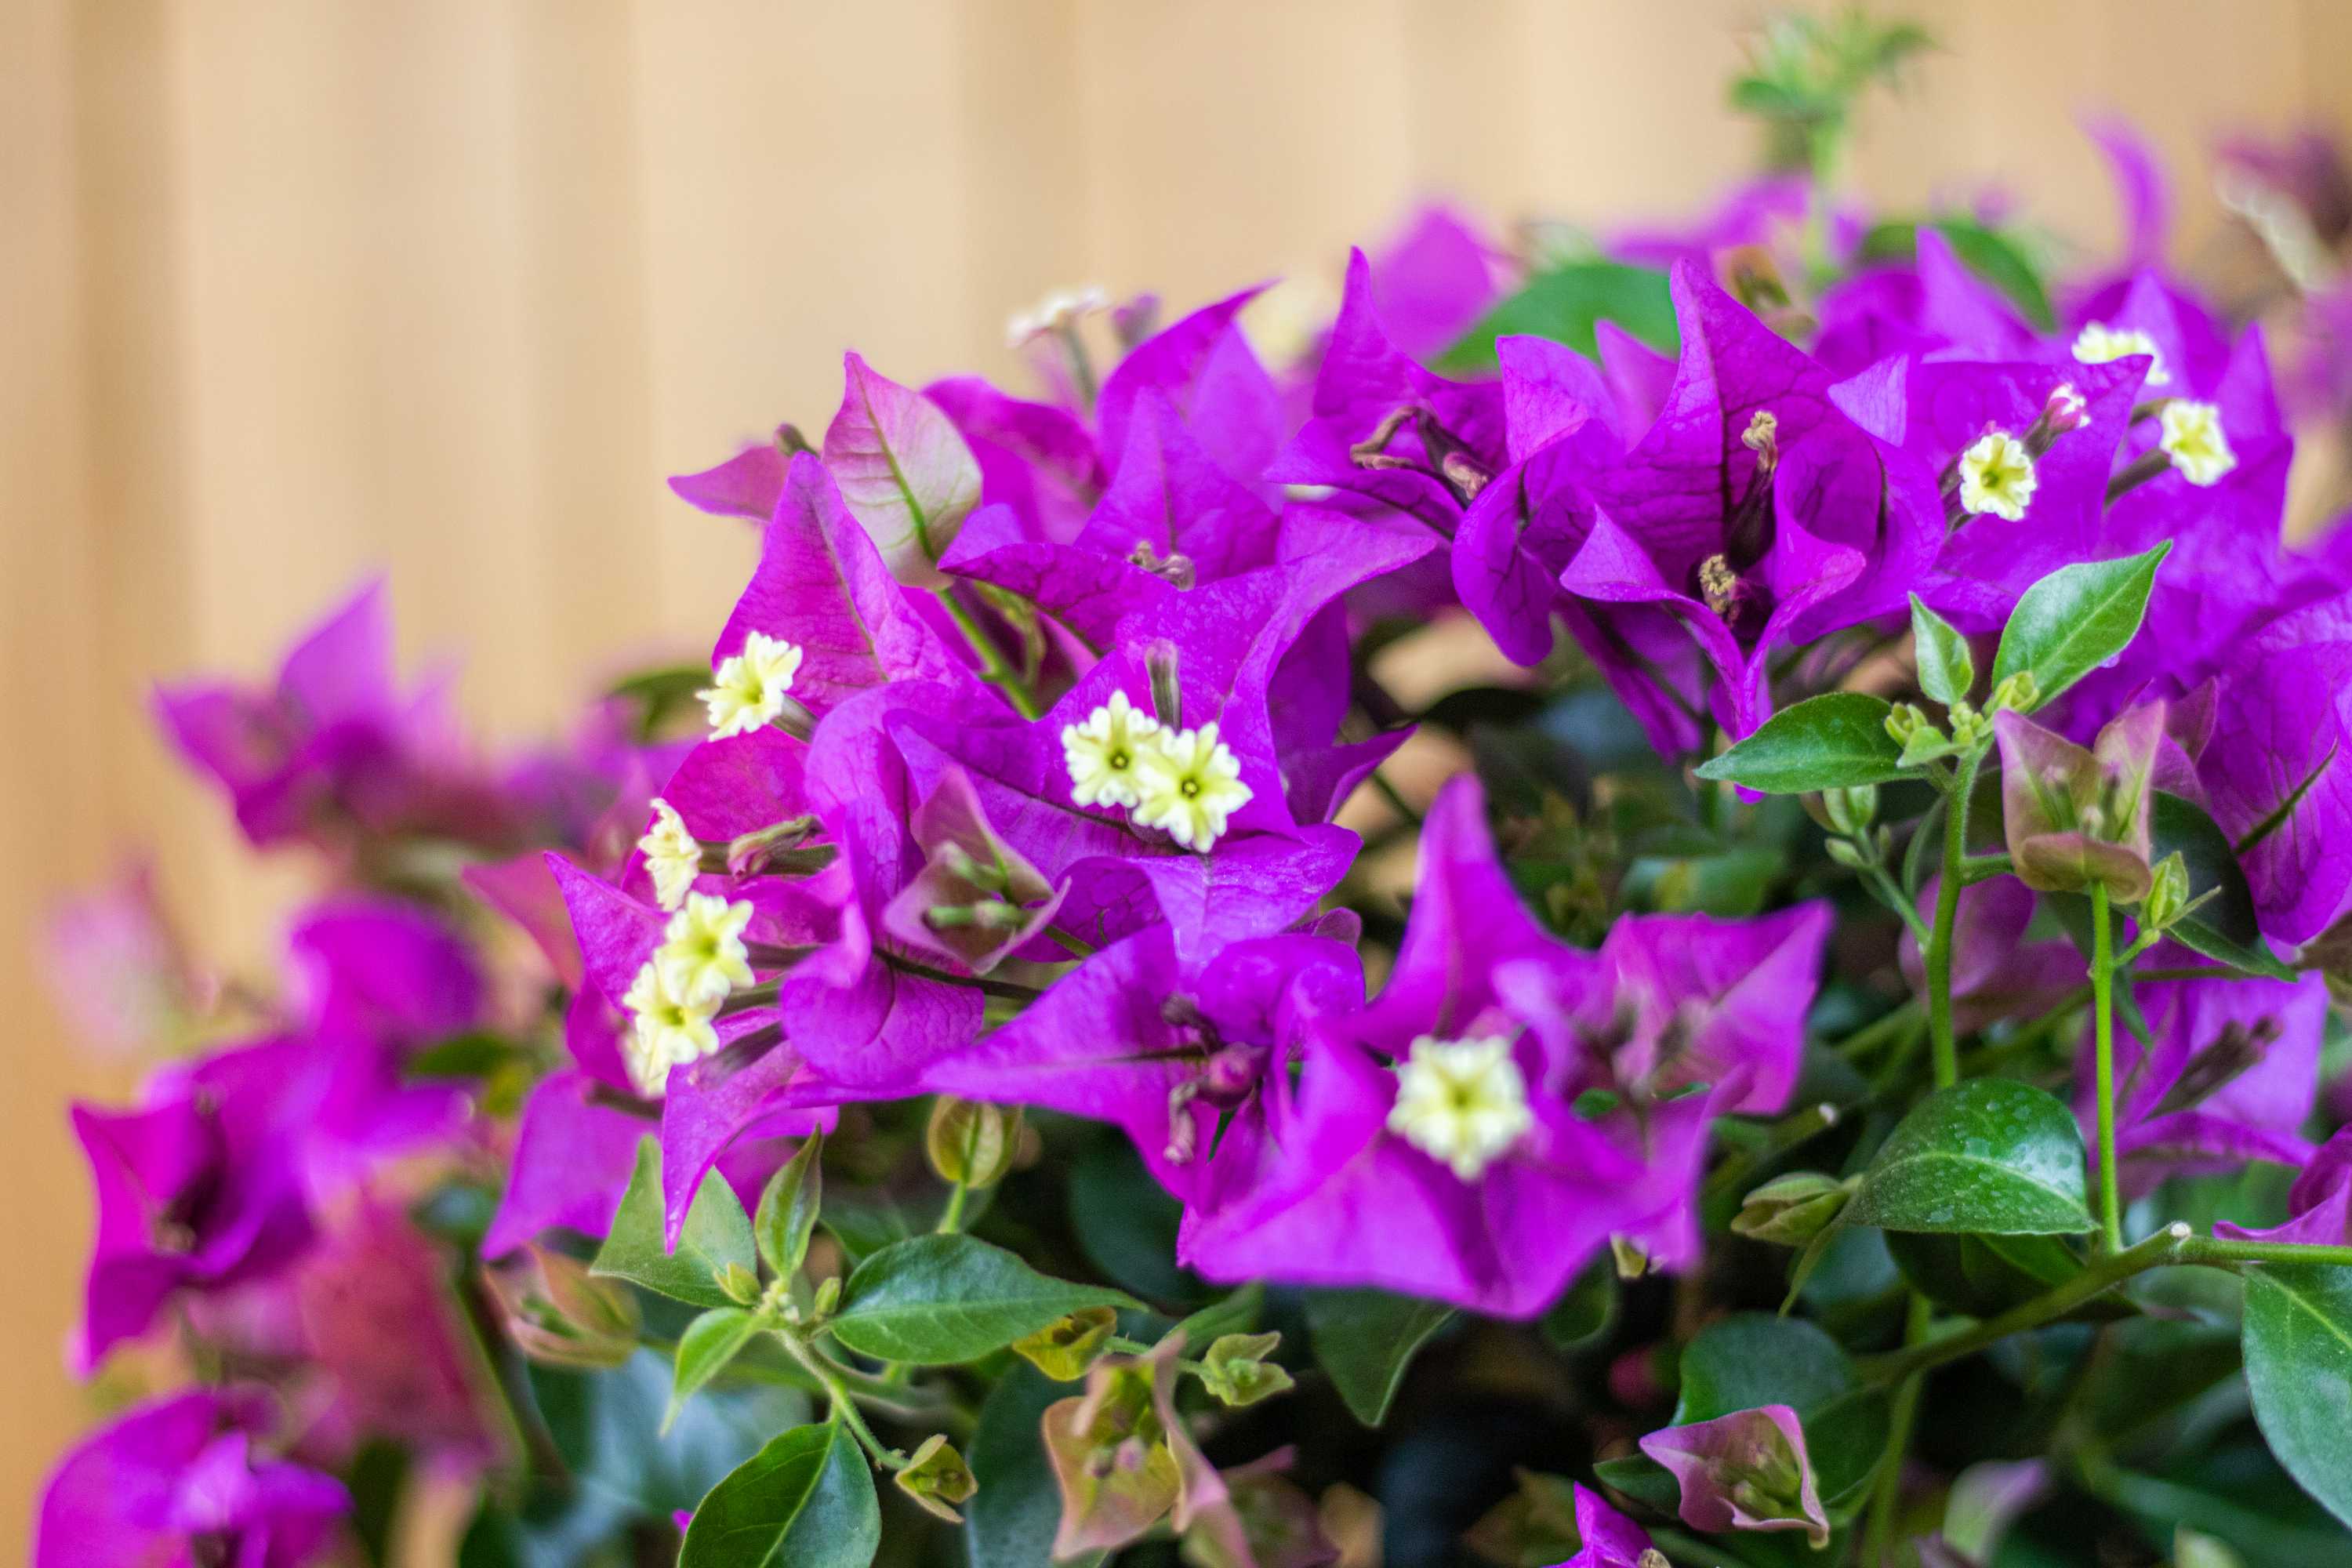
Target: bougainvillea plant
column 1809, row 1046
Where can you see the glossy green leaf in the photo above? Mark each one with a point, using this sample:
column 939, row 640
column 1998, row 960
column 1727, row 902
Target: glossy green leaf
column 1824, row 743
column 1364, row 1340
column 2075, row 619
column 1989, row 253
column 1585, row 1312
column 1565, row 303
column 1947, row 670
column 1982, row 1276
column 2223, row 928
column 2298, row 1346
column 1236, row 1315
column 788, row 1208
column 805, row 1500
column 935, row 1300
column 1988, row 1156
column 716, row 1233
column 710, row 1342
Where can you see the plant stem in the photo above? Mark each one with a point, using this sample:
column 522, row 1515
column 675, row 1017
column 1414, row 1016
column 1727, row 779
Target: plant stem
column 1886, row 1497
column 844, row 1407
column 2216, row 1250
column 2171, row 1245
column 2103, row 1014
column 1865, row 1040
column 1947, row 909
column 993, row 668
column 1779, row 1139
column 1892, row 897
column 1389, row 791
column 952, row 1218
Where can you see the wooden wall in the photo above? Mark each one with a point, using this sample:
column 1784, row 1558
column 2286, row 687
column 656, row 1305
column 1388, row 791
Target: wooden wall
column 291, row 290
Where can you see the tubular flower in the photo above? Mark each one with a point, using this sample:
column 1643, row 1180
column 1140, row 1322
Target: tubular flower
column 2099, row 343
column 1462, row 1102
column 1996, row 476
column 1192, row 785
column 672, row 857
column 702, row 956
column 748, row 688
column 2194, row 440
column 1106, row 752
column 665, row 1030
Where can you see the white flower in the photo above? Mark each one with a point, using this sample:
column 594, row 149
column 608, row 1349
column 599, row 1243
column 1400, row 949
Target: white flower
column 702, row 956
column 748, row 688
column 664, row 1031
column 2194, row 440
column 1461, row 1102
column 673, row 856
column 2099, row 343
column 1997, row 476
column 1055, row 312
column 1191, row 784
column 1105, row 752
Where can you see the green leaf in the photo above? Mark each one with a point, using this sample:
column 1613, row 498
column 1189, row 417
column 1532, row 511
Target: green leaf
column 715, row 1235
column 1947, row 670
column 1983, row 1276
column 1585, row 1312
column 2298, row 1344
column 788, row 1208
column 710, row 1342
column 1824, row 743
column 805, row 1500
column 1643, row 1479
column 2223, row 927
column 1010, row 1523
column 2075, row 620
column 1564, row 304
column 1236, row 1315
column 1986, row 252
column 936, row 1301
column 1988, row 1156
column 1365, row 1339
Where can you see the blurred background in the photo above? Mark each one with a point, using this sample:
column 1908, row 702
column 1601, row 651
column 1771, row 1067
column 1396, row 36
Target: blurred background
column 292, row 292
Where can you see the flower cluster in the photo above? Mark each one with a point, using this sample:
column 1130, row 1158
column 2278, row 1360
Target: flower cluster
column 1888, row 661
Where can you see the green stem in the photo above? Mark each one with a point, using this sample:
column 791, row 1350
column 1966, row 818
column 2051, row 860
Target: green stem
column 2103, row 1016
column 844, row 1407
column 952, row 1218
column 1389, row 791
column 1779, row 1139
column 1947, row 909
column 2218, row 1250
column 993, row 668
column 1977, row 868
column 1878, row 1031
column 1886, row 1497
column 2171, row 1245
column 1892, row 897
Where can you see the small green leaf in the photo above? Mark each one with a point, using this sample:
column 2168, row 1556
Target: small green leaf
column 1754, row 1358
column 1947, row 670
column 936, row 1301
column 716, row 1233
column 1365, row 1339
column 710, row 1342
column 2075, row 619
column 1585, row 1312
column 1829, row 741
column 1988, row 1156
column 2298, row 1344
column 1565, row 303
column 788, row 1208
column 1236, row 1315
column 805, row 1500
column 2223, row 927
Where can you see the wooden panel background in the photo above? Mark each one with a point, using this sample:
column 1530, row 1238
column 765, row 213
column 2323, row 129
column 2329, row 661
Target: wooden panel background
column 291, row 290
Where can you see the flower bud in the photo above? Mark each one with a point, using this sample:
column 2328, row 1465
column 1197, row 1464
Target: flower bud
column 560, row 1314
column 739, row 1283
column 2018, row 693
column 1790, row 1210
column 1064, row 1348
column 1905, row 719
column 828, row 1297
column 1846, row 854
column 937, row 1477
column 2168, row 893
column 1235, row 1369
column 970, row 1142
column 1632, row 1261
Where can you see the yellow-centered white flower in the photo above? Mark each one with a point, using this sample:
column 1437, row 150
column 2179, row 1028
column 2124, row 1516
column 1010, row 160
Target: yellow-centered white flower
column 665, row 1030
column 2194, row 440
column 673, row 856
column 1996, row 476
column 2099, row 343
column 702, row 956
column 748, row 688
column 1191, row 784
column 1462, row 1102
column 1105, row 752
